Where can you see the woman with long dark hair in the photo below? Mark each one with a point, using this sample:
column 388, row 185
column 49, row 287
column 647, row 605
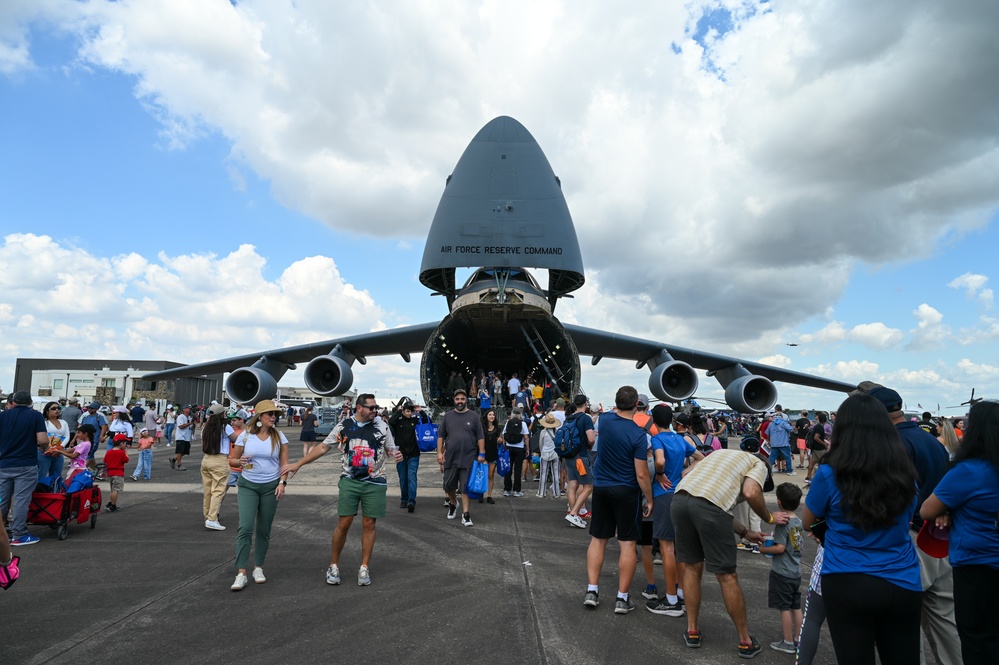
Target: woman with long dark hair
column 50, row 463
column 491, row 429
column 970, row 492
column 865, row 490
column 216, row 438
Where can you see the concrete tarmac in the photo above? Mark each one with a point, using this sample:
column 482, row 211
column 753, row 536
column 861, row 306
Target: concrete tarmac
column 151, row 585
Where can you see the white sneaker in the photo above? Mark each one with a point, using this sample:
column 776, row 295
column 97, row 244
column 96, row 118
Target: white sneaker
column 466, row 519
column 333, row 575
column 240, row 582
column 363, row 576
column 576, row 521
column 214, row 525
column 258, row 575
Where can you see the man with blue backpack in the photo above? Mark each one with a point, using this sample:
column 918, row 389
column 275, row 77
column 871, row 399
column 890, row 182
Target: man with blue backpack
column 573, row 441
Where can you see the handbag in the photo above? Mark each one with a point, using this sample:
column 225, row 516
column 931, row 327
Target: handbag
column 478, row 480
column 503, row 464
column 426, row 437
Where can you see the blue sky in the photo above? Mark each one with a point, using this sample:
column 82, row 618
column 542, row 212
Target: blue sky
column 144, row 151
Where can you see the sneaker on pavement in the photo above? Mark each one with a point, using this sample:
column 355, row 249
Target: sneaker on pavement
column 403, row 503
column 584, row 513
column 489, row 499
column 26, row 539
column 134, row 478
column 755, row 549
column 182, row 468
column 452, row 511
column 214, row 525
column 9, row 572
column 791, row 473
column 410, row 507
column 466, row 519
column 651, row 592
column 506, row 493
column 591, row 599
column 240, row 582
column 173, row 465
column 333, row 575
column 575, row 521
column 664, row 607
column 622, row 606
column 518, row 494
column 692, row 638
column 258, row 575
column 657, row 559
column 750, row 650
column 786, row 647
column 447, row 502
column 363, row 576
column 744, row 547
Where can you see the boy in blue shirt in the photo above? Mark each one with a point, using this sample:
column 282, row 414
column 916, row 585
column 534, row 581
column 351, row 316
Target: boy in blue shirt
column 785, row 572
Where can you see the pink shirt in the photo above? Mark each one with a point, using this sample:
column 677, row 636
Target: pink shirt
column 80, row 461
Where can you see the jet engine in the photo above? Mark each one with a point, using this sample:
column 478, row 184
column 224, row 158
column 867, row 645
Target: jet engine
column 250, row 385
column 673, row 381
column 751, row 394
column 328, row 375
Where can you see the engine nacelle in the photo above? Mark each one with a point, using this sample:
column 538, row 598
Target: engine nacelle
column 250, row 385
column 328, row 376
column 673, row 381
column 751, row 394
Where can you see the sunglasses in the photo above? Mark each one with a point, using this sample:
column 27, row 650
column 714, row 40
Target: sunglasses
column 55, row 408
column 371, row 407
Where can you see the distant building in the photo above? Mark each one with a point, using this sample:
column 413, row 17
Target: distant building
column 112, row 382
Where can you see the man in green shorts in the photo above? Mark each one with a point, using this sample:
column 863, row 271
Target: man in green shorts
column 364, row 440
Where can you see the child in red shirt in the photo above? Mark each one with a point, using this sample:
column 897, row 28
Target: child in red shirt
column 115, row 459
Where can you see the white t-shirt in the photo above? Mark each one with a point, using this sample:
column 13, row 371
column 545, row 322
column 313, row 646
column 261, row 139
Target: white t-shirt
column 559, row 416
column 224, row 447
column 513, row 385
column 61, row 433
column 117, row 426
column 266, row 458
column 184, row 434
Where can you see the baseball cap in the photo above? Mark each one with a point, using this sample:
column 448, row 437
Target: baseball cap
column 682, row 418
column 120, row 436
column 460, row 391
column 144, row 429
column 933, row 541
column 216, row 409
column 643, row 399
column 94, row 405
column 891, row 399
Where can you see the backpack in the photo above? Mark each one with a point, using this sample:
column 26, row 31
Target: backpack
column 568, row 440
column 514, row 431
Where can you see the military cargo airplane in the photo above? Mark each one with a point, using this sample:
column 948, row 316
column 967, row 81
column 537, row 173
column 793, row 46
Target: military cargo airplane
column 502, row 212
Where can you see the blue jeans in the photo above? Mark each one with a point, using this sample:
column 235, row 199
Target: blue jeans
column 785, row 452
column 145, row 467
column 17, row 482
column 168, row 432
column 49, row 465
column 407, row 469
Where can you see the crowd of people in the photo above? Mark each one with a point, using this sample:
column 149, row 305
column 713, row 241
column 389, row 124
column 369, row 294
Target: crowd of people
column 905, row 512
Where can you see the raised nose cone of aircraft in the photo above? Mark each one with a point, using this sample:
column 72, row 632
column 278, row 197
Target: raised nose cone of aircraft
column 502, row 206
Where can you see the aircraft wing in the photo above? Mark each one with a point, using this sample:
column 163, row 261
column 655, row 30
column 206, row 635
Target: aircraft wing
column 601, row 344
column 410, row 339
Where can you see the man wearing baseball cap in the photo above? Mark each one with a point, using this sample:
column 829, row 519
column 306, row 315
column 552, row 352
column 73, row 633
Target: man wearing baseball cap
column 95, row 419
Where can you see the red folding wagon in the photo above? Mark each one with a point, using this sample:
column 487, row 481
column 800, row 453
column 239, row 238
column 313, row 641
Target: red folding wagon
column 59, row 509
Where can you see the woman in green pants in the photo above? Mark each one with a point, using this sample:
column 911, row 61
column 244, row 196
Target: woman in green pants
column 260, row 451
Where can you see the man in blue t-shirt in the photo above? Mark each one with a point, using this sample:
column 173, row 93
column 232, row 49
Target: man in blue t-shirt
column 578, row 469
column 620, row 478
column 22, row 436
column 931, row 461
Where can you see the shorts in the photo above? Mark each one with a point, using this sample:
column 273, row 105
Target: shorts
column 182, row 447
column 784, row 593
column 455, row 477
column 817, row 455
column 308, row 437
column 801, row 444
column 573, row 473
column 645, row 534
column 117, row 483
column 661, row 520
column 370, row 497
column 703, row 533
column 616, row 510
column 233, row 477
